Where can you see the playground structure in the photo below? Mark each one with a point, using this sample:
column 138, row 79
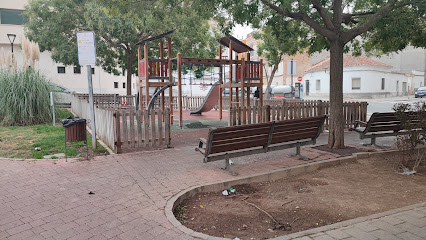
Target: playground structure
column 158, row 73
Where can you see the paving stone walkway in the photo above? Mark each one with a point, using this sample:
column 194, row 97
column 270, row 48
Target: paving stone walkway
column 123, row 196
column 404, row 223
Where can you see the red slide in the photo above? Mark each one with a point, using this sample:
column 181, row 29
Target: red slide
column 209, row 101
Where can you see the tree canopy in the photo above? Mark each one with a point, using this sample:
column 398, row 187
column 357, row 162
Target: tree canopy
column 339, row 26
column 118, row 26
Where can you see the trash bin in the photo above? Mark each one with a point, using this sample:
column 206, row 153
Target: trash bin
column 75, row 131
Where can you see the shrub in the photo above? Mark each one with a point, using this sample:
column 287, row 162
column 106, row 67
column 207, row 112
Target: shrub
column 24, row 97
column 413, row 120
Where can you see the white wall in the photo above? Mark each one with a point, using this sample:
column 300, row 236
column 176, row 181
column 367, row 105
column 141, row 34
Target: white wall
column 323, row 76
column 103, row 82
column 371, row 80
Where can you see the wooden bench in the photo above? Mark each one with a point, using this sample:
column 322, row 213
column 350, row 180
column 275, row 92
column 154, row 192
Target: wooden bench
column 237, row 141
column 381, row 125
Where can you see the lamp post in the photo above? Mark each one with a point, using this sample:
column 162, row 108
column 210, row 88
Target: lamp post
column 11, row 40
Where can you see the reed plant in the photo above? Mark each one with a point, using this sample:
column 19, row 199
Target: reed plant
column 24, row 97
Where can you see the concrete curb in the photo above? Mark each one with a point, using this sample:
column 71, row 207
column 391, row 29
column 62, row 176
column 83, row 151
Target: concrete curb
column 349, row 222
column 270, row 176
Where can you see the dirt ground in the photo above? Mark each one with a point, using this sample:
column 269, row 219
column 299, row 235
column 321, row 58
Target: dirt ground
column 320, row 198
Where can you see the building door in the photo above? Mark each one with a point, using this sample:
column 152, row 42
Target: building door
column 404, row 89
column 397, row 88
column 307, row 87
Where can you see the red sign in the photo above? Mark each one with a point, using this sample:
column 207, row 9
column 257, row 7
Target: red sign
column 299, row 79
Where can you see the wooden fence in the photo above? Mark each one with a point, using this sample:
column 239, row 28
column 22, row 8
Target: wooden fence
column 126, row 128
column 103, row 119
column 135, row 129
column 110, row 100
column 352, row 111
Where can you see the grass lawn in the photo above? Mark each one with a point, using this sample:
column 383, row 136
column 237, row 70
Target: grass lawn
column 21, row 141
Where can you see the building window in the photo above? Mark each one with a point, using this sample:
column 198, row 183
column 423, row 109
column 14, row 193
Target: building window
column 124, row 85
column 61, row 69
column 115, row 84
column 383, row 84
column 318, row 86
column 93, row 71
column 14, row 17
column 77, row 70
column 356, row 83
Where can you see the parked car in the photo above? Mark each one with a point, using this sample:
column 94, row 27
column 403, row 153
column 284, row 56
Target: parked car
column 420, row 93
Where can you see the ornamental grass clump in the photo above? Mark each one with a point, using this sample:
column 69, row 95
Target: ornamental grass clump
column 24, row 97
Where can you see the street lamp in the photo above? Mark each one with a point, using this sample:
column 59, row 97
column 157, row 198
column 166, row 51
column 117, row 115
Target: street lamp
column 11, row 40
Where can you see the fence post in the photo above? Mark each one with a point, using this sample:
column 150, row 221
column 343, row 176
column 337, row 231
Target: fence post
column 167, row 127
column 118, row 132
column 230, row 117
column 268, row 113
column 320, row 110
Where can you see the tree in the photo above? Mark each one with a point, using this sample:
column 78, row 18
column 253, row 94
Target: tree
column 340, row 26
column 277, row 40
column 118, row 26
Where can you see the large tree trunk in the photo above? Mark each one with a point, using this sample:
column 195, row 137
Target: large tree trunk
column 268, row 86
column 336, row 137
column 129, row 67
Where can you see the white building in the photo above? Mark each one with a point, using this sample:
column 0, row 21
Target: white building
column 73, row 78
column 362, row 78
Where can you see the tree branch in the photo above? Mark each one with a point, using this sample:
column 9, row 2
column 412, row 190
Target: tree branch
column 106, row 38
column 351, row 34
column 322, row 13
column 337, row 13
column 348, row 18
column 303, row 17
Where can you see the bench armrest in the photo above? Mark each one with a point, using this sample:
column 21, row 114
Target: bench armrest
column 201, row 150
column 200, row 147
column 358, row 123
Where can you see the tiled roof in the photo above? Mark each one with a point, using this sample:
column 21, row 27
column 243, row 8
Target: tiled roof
column 348, row 60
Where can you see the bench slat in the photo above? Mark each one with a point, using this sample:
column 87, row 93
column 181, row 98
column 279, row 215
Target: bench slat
column 241, row 133
column 241, row 127
column 240, row 139
column 298, row 125
column 294, row 137
column 285, row 132
column 238, row 146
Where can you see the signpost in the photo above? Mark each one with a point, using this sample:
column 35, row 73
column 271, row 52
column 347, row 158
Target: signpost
column 291, row 70
column 87, row 56
column 299, row 79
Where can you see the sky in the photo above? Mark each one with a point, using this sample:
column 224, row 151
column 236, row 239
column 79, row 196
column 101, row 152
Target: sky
column 240, row 31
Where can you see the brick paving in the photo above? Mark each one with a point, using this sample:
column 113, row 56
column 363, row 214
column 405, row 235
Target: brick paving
column 50, row 199
column 404, row 223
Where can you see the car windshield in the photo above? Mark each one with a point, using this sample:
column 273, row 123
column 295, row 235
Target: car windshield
column 421, row 89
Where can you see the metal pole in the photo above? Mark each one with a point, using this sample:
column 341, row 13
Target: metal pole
column 92, row 109
column 53, row 108
column 291, row 74
column 12, row 52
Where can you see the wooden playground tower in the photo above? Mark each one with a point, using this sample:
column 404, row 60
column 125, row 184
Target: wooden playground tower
column 157, row 73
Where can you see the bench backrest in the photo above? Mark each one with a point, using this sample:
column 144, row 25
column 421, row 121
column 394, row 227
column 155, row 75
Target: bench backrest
column 297, row 129
column 238, row 137
column 263, row 134
column 387, row 121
